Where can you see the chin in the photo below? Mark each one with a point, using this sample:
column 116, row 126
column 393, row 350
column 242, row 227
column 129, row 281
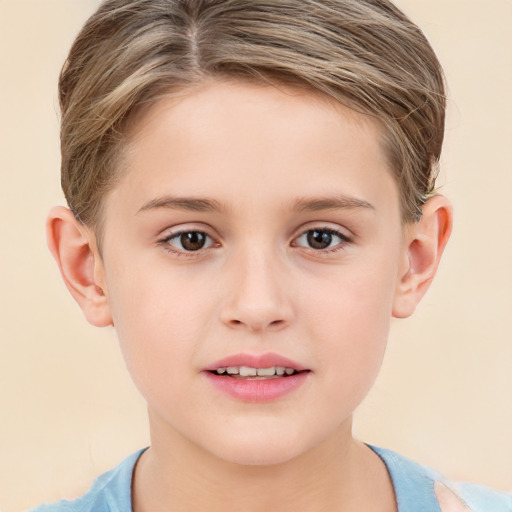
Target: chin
column 263, row 448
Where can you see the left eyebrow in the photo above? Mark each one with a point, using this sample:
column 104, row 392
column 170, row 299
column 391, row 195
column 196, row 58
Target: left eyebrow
column 331, row 203
column 182, row 203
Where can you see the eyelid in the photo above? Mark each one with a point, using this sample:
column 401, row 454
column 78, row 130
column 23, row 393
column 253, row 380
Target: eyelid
column 187, row 227
column 175, row 232
column 342, row 231
column 345, row 239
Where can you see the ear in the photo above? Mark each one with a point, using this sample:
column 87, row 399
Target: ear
column 424, row 244
column 74, row 248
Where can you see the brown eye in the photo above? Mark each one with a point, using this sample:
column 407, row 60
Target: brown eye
column 192, row 240
column 188, row 241
column 321, row 239
column 318, row 239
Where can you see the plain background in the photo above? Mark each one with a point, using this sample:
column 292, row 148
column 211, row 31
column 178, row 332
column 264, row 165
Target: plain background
column 68, row 408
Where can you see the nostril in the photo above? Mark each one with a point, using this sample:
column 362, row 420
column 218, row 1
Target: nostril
column 256, row 326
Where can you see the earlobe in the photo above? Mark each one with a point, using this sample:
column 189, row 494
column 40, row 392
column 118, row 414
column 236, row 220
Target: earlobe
column 76, row 254
column 425, row 241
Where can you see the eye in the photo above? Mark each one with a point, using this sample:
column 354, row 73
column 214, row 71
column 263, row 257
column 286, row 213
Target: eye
column 188, row 241
column 321, row 239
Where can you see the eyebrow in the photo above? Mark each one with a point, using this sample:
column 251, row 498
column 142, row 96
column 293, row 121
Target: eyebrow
column 211, row 205
column 182, row 203
column 331, row 203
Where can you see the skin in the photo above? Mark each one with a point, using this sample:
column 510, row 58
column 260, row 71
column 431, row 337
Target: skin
column 272, row 164
column 448, row 500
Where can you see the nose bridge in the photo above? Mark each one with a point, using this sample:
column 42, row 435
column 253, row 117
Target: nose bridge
column 256, row 298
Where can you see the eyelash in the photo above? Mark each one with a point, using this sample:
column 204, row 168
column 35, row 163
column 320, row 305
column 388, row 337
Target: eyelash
column 343, row 240
column 165, row 242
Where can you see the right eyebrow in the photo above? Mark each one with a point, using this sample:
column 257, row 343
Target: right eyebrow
column 192, row 204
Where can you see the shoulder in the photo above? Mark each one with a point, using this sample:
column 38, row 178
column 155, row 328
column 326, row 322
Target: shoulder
column 426, row 490
column 110, row 492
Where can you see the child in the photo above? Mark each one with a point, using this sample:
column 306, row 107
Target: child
column 252, row 197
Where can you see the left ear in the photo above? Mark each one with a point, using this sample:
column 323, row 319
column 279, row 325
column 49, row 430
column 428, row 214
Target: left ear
column 424, row 244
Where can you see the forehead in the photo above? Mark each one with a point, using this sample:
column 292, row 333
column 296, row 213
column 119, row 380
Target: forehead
column 248, row 143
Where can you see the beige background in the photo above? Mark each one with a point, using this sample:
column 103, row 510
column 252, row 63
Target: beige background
column 68, row 408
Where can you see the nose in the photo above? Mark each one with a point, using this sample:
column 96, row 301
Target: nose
column 257, row 298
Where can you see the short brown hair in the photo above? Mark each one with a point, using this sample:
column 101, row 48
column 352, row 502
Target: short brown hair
column 365, row 54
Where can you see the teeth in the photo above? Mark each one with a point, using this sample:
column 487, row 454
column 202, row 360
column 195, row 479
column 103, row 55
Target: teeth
column 247, row 371
column 266, row 372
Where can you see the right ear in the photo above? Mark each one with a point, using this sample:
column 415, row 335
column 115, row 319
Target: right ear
column 74, row 248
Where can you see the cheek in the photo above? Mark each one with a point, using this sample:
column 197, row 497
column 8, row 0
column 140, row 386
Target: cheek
column 160, row 318
column 156, row 298
column 350, row 320
column 354, row 300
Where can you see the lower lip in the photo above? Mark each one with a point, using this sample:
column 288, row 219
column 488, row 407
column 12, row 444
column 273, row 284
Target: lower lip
column 257, row 390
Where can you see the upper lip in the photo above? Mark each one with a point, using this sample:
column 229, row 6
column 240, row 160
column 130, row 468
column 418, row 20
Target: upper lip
column 265, row 360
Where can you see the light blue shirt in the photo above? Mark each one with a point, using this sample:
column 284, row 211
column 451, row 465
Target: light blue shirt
column 413, row 483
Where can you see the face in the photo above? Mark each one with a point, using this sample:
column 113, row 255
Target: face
column 254, row 231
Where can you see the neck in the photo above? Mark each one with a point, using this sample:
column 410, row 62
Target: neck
column 339, row 474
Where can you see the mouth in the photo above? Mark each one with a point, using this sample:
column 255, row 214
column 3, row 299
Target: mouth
column 250, row 373
column 257, row 378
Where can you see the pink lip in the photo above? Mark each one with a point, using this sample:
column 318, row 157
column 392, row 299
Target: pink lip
column 254, row 390
column 265, row 360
